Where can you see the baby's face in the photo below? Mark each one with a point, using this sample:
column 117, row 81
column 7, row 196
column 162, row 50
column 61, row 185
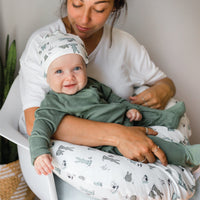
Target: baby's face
column 67, row 74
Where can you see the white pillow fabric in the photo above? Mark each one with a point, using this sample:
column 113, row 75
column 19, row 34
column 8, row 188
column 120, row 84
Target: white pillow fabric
column 103, row 175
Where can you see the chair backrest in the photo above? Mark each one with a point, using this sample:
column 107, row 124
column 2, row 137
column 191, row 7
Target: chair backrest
column 12, row 107
column 9, row 116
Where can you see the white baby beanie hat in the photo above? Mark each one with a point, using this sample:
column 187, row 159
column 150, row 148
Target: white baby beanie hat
column 58, row 44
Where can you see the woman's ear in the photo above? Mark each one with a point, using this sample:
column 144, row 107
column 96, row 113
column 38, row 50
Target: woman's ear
column 114, row 10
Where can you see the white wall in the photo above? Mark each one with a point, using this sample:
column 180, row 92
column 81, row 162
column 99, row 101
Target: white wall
column 169, row 30
column 20, row 18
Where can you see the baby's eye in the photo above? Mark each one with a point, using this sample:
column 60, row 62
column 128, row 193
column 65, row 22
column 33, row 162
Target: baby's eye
column 77, row 68
column 59, row 71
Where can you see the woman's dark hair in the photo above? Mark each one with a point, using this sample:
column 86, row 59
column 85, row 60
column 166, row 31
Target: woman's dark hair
column 118, row 6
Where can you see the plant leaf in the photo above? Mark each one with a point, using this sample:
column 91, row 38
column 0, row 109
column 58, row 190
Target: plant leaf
column 10, row 68
column 7, row 46
column 1, row 82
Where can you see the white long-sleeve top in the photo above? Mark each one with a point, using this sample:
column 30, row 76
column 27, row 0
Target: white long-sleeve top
column 122, row 66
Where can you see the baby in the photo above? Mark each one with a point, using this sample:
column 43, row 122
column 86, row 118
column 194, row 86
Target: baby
column 64, row 60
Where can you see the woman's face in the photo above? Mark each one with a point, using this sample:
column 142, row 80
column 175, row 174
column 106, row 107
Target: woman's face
column 87, row 17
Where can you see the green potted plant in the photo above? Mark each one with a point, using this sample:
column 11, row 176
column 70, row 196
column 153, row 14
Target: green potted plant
column 8, row 151
column 11, row 183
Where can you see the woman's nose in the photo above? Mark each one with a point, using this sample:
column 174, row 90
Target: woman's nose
column 86, row 16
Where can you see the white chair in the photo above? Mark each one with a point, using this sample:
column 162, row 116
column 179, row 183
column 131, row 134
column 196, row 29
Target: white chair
column 42, row 186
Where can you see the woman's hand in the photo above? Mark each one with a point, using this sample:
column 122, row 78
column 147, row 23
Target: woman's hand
column 132, row 142
column 157, row 96
column 135, row 145
column 43, row 164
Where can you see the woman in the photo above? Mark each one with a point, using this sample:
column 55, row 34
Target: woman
column 117, row 60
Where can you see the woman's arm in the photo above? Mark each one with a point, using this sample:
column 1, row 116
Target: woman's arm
column 132, row 142
column 157, row 96
column 30, row 118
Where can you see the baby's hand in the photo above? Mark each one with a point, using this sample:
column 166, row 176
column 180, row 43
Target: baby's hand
column 134, row 115
column 43, row 164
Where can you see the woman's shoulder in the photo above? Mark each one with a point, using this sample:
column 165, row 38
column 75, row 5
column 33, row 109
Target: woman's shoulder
column 50, row 28
column 121, row 40
column 120, row 35
column 36, row 36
